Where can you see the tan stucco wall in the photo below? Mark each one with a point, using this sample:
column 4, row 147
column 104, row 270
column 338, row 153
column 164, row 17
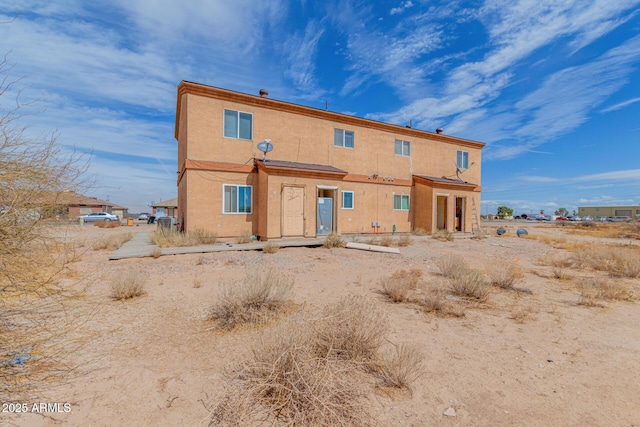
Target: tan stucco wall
column 305, row 139
column 204, row 208
column 310, row 140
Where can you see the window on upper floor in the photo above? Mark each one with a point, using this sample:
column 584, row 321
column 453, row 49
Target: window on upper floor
column 401, row 202
column 347, row 200
column 236, row 198
column 238, row 124
column 402, row 148
column 462, row 159
column 343, row 138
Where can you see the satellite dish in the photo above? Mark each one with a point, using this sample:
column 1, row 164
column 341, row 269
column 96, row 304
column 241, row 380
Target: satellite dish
column 265, row 146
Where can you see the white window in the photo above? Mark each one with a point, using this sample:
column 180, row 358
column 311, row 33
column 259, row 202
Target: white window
column 401, row 202
column 462, row 160
column 238, row 124
column 343, row 138
column 236, row 198
column 347, row 200
column 403, row 148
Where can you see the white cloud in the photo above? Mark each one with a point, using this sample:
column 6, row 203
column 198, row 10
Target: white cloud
column 302, row 56
column 620, row 105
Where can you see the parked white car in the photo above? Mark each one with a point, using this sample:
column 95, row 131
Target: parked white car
column 99, row 216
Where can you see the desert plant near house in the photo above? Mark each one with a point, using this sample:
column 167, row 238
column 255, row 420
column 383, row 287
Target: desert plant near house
column 401, row 367
column 595, row 289
column 112, row 242
column 244, row 237
column 397, row 286
column 471, row 285
column 352, row 329
column 126, row 285
column 452, row 266
column 386, row 241
column 333, row 240
column 251, row 300
column 404, row 240
column 105, row 224
column 270, row 248
column 198, row 237
column 443, row 235
column 505, row 277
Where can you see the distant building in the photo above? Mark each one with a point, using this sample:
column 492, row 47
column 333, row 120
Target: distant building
column 328, row 172
column 168, row 207
column 596, row 211
column 71, row 204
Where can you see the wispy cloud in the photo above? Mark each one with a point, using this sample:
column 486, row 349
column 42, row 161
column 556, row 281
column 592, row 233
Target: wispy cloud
column 302, row 57
column 401, row 8
column 620, row 105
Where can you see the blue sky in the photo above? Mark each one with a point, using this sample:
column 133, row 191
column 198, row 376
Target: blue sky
column 552, row 87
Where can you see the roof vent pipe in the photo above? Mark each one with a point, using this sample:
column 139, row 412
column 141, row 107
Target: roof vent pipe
column 439, row 131
column 264, row 93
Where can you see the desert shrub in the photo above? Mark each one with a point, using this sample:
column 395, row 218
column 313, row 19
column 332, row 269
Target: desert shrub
column 400, row 368
column 436, row 302
column 251, row 300
column 333, row 240
column 352, row 329
column 420, row 231
column 443, row 235
column 624, row 265
column 156, row 253
column 112, row 242
column 522, row 314
column 599, row 288
column 505, row 276
column 107, row 224
column 173, row 238
column 471, row 284
column 373, row 240
column 127, row 285
column 452, row 266
column 244, row 237
column 270, row 248
column 397, row 286
column 560, row 273
column 404, row 240
column 386, row 241
column 286, row 383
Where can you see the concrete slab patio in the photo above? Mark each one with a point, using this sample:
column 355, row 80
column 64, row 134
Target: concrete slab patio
column 140, row 246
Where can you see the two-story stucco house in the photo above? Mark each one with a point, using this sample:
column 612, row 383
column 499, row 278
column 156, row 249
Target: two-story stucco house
column 326, row 172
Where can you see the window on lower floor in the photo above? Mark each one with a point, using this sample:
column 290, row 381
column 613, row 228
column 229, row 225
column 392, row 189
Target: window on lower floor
column 238, row 124
column 402, row 148
column 462, row 159
column 343, row 138
column 347, row 200
column 401, row 202
column 236, row 198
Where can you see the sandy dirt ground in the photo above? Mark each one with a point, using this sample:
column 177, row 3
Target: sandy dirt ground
column 152, row 360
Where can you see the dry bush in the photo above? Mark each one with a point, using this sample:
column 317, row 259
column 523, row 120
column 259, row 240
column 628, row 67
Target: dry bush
column 200, row 260
column 386, row 241
column 165, row 238
column 437, row 301
column 352, row 329
column 420, row 231
column 404, row 240
column 197, row 283
column 443, row 235
column 127, row 285
column 400, row 368
column 373, row 240
column 505, row 277
column 397, row 286
column 270, row 248
column 333, row 240
column 286, row 383
column 472, row 285
column 156, row 253
column 452, row 266
column 244, row 237
column 251, row 300
column 561, row 273
column 625, row 264
column 599, row 288
column 112, row 242
column 522, row 314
